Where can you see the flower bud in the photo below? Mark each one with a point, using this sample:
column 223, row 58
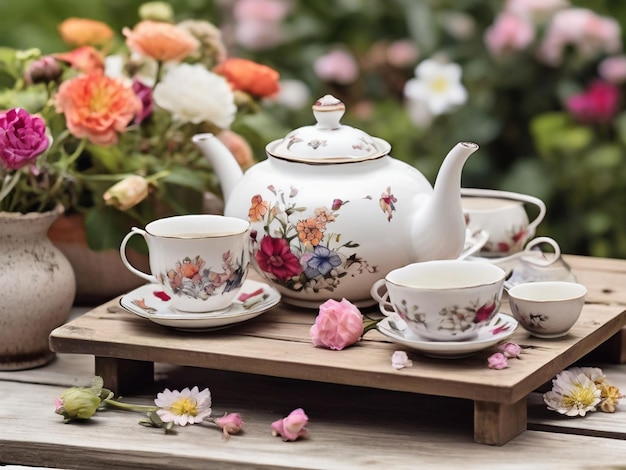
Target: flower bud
column 291, row 427
column 156, row 11
column 230, row 423
column 44, row 70
column 77, row 403
column 127, row 193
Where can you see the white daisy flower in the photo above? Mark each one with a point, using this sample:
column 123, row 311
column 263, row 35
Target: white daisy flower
column 184, row 407
column 573, row 394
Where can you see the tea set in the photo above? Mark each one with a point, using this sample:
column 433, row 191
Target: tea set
column 331, row 214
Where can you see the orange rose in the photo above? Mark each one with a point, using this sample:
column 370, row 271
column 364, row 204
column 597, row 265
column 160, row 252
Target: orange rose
column 85, row 32
column 161, row 41
column 97, row 107
column 85, row 58
column 246, row 75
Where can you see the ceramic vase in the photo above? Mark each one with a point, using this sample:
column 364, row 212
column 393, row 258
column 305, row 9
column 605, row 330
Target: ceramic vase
column 37, row 288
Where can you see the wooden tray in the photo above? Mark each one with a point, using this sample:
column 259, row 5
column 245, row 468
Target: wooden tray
column 277, row 343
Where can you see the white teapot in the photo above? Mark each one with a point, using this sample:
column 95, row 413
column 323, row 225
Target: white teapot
column 332, row 212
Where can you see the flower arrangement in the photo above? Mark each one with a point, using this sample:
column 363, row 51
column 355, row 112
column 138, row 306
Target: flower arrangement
column 120, row 119
column 171, row 408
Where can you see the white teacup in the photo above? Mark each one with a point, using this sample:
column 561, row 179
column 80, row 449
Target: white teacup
column 502, row 214
column 443, row 300
column 200, row 261
column 547, row 309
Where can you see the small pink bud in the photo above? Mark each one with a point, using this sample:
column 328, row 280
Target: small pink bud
column 400, row 360
column 510, row 350
column 497, row 361
column 230, row 423
column 292, row 427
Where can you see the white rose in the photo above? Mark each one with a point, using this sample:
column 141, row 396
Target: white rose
column 193, row 94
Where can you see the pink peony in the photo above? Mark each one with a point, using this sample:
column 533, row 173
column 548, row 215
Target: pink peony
column 598, row 104
column 22, row 138
column 509, row 33
column 292, row 427
column 339, row 324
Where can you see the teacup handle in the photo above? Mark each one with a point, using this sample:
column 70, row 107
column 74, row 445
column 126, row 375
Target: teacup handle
column 384, row 305
column 542, row 262
column 148, row 277
column 526, row 198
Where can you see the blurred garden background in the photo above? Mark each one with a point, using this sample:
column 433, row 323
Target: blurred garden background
column 541, row 86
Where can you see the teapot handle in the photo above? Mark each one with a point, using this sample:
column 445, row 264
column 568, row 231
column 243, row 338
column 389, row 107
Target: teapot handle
column 525, row 198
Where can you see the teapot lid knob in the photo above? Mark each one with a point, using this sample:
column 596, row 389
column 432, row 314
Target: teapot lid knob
column 328, row 111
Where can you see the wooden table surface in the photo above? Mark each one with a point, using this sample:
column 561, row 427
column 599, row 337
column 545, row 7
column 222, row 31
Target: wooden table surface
column 350, row 426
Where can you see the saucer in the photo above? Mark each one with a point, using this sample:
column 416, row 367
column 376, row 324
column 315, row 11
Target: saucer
column 500, row 328
column 147, row 302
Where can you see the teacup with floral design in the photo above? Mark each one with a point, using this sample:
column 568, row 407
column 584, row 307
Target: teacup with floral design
column 442, row 300
column 199, row 261
column 547, row 309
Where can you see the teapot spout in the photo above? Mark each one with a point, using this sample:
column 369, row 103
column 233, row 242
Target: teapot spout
column 223, row 161
column 438, row 230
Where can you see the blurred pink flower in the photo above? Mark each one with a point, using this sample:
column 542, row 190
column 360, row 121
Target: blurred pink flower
column 497, row 361
column 535, row 10
column 402, row 53
column 259, row 23
column 613, row 69
column 509, row 33
column 589, row 34
column 292, row 427
column 598, row 104
column 338, row 324
column 337, row 66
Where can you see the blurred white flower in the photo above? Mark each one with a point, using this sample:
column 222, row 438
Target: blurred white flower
column 293, row 94
column 178, row 93
column 437, row 85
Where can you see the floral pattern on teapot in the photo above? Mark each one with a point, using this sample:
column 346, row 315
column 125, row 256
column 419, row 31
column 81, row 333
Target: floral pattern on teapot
column 190, row 277
column 454, row 319
column 297, row 250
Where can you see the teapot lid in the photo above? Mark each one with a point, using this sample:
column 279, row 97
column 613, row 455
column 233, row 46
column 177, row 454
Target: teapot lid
column 328, row 141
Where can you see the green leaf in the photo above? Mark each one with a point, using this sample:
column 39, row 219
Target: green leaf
column 105, row 227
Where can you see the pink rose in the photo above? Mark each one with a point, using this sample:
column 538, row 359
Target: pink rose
column 598, row 104
column 339, row 324
column 509, row 33
column 230, row 423
column 292, row 427
column 510, row 350
column 497, row 361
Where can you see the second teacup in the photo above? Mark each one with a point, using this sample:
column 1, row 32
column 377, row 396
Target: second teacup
column 442, row 300
column 503, row 215
column 200, row 261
